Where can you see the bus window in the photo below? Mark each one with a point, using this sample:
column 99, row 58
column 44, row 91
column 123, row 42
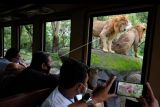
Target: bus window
column 117, row 48
column 57, row 41
column 26, row 35
column 7, row 39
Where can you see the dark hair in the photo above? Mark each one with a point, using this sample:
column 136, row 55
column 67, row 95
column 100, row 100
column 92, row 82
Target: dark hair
column 38, row 59
column 71, row 73
column 11, row 53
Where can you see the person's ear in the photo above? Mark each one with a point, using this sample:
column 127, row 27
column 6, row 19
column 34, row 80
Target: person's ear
column 44, row 66
column 79, row 86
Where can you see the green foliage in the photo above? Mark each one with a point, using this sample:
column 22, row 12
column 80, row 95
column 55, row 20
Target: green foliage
column 143, row 17
column 56, row 60
column 55, row 56
column 115, row 62
column 137, row 18
column 26, row 37
column 26, row 55
column 7, row 38
column 64, row 35
column 49, row 37
column 26, row 41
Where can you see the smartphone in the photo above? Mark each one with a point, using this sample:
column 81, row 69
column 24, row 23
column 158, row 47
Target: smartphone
column 127, row 89
column 102, row 82
column 134, row 90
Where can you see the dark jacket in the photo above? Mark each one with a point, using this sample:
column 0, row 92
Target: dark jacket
column 28, row 80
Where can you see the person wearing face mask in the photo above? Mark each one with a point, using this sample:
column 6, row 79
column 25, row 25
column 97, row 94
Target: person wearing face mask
column 73, row 80
column 34, row 77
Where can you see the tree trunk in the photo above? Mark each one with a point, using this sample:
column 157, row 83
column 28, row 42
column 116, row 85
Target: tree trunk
column 63, row 44
column 56, row 28
column 30, row 33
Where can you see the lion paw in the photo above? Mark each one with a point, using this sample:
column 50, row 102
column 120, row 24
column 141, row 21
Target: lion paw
column 105, row 50
column 111, row 51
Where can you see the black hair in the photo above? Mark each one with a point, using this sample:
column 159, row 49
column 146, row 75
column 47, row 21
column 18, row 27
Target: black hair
column 11, row 53
column 71, row 73
column 38, row 59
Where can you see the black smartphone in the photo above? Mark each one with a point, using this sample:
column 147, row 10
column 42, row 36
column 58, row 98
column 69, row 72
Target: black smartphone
column 134, row 90
column 102, row 82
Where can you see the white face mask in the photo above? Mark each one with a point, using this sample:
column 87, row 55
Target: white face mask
column 86, row 88
column 84, row 91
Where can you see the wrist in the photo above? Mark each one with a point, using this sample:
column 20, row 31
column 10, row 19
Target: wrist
column 87, row 98
column 91, row 101
column 94, row 99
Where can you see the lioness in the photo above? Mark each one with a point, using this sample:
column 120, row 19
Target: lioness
column 128, row 39
column 108, row 30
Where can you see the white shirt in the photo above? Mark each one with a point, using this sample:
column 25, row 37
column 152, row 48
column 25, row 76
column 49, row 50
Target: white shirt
column 56, row 99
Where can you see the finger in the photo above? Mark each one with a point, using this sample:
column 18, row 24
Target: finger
column 140, row 98
column 150, row 91
column 142, row 101
column 110, row 82
column 111, row 95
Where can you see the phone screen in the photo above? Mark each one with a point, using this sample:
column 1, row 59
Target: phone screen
column 129, row 89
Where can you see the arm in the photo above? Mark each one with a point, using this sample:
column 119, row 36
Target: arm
column 78, row 104
column 13, row 68
column 100, row 94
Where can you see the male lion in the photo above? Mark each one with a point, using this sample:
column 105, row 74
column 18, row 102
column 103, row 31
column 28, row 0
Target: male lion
column 108, row 30
column 128, row 39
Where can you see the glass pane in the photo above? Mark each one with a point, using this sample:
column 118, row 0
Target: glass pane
column 118, row 48
column 57, row 41
column 26, row 35
column 7, row 38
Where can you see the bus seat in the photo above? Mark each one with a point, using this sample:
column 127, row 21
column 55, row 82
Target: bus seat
column 29, row 99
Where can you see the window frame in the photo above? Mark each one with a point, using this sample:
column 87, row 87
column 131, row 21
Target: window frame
column 148, row 41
